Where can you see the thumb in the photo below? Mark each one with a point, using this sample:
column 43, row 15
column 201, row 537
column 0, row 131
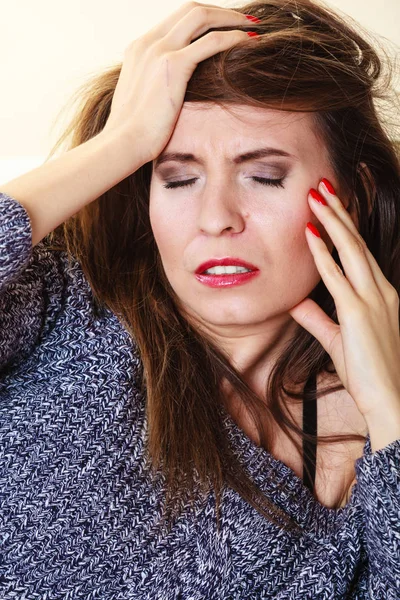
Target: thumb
column 314, row 320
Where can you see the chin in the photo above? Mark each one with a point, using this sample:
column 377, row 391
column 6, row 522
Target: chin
column 225, row 315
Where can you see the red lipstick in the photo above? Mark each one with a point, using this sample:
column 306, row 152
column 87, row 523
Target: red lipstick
column 225, row 262
column 226, row 280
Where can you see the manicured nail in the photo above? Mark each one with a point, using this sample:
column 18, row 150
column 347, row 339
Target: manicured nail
column 254, row 19
column 313, row 229
column 252, row 34
column 328, row 186
column 317, row 196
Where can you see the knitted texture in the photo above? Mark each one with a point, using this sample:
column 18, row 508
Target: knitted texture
column 79, row 507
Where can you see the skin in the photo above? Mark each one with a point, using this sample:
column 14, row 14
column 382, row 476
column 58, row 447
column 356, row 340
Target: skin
column 226, row 213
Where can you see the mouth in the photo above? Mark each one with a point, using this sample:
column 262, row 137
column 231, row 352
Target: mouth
column 227, row 280
column 225, row 262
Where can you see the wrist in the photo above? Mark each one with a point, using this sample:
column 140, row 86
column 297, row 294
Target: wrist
column 127, row 146
column 384, row 427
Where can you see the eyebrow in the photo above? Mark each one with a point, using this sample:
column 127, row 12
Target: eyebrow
column 240, row 158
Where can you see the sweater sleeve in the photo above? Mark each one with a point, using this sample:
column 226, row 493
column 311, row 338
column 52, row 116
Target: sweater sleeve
column 31, row 284
column 378, row 478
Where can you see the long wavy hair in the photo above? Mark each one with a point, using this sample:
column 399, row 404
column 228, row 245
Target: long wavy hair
column 309, row 58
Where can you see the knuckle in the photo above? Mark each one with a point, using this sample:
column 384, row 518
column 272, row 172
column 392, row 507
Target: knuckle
column 200, row 11
column 134, row 45
column 337, row 270
column 192, row 5
column 358, row 245
column 215, row 37
column 392, row 295
column 333, row 270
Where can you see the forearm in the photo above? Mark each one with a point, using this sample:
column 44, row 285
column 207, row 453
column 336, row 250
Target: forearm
column 59, row 188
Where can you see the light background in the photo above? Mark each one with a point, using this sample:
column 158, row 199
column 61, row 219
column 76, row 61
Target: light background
column 49, row 49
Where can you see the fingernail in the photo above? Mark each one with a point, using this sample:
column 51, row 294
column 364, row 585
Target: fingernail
column 328, row 186
column 313, row 229
column 252, row 34
column 254, row 19
column 317, row 196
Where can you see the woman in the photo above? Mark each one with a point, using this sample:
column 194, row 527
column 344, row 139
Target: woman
column 133, row 374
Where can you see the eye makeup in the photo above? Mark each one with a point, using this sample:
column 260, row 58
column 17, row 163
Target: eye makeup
column 190, row 182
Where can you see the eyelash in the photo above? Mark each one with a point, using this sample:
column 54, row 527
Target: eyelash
column 262, row 180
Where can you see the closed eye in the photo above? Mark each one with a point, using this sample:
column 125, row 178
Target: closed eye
column 262, row 180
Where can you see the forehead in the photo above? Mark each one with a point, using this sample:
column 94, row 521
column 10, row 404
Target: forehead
column 204, row 126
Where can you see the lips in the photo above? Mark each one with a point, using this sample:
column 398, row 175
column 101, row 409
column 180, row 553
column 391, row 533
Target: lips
column 224, row 262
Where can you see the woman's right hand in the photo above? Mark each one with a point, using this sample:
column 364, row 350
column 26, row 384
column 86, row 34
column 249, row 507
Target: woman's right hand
column 157, row 67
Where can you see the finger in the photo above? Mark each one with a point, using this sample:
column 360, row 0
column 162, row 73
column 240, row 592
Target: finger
column 332, row 275
column 334, row 202
column 312, row 317
column 350, row 246
column 190, row 20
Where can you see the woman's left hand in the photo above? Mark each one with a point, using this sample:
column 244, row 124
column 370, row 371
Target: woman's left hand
column 365, row 346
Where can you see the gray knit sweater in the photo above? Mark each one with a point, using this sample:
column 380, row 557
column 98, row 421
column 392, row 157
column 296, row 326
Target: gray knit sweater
column 78, row 505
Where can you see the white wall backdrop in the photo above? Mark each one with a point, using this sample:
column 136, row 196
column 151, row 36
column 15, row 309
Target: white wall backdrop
column 48, row 49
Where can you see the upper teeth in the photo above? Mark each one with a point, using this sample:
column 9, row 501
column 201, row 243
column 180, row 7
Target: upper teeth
column 222, row 270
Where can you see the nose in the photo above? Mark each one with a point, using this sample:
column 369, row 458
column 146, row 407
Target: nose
column 220, row 210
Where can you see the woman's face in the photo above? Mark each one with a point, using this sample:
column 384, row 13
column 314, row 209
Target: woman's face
column 227, row 213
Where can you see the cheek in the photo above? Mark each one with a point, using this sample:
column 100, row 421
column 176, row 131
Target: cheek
column 291, row 225
column 159, row 220
column 294, row 224
column 167, row 230
column 295, row 258
column 165, row 215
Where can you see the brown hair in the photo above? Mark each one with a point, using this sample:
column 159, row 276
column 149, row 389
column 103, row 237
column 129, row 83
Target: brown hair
column 308, row 59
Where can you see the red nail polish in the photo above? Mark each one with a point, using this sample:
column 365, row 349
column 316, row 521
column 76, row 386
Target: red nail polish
column 252, row 34
column 313, row 229
column 254, row 19
column 328, row 186
column 317, row 196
